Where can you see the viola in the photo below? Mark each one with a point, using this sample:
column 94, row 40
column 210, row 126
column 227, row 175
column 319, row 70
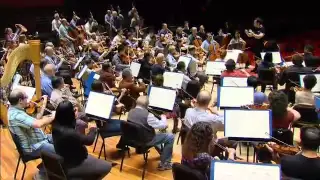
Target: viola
column 32, row 107
column 281, row 149
column 125, row 58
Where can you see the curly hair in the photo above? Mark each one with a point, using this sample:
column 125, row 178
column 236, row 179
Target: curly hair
column 278, row 104
column 198, row 140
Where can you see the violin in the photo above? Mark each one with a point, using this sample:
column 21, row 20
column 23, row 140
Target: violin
column 256, row 106
column 125, row 58
column 281, row 149
column 33, row 105
column 296, row 88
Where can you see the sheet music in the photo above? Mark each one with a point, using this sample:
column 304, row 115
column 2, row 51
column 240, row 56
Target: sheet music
column 30, row 91
column 78, row 62
column 96, row 76
column 16, row 80
column 186, row 60
column 234, row 82
column 173, row 80
column 215, row 67
column 162, row 98
column 247, row 123
column 83, row 70
column 276, row 57
column 244, row 171
column 233, row 54
column 99, row 105
column 235, row 96
column 135, row 69
column 316, row 88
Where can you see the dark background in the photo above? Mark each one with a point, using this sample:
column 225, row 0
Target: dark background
column 281, row 20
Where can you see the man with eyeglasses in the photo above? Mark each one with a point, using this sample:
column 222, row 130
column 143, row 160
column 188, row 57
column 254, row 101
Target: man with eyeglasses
column 28, row 129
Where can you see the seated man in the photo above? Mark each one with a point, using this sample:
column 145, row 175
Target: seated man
column 232, row 72
column 117, row 59
column 28, row 129
column 107, row 75
column 49, row 73
column 159, row 67
column 305, row 165
column 141, row 116
column 199, row 113
column 306, row 96
column 95, row 55
column 133, row 90
column 259, row 97
column 181, row 68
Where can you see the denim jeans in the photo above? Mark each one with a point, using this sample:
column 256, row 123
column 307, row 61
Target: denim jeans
column 47, row 147
column 167, row 139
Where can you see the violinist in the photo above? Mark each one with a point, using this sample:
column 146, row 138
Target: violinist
column 172, row 62
column 305, row 165
column 107, row 75
column 121, row 59
column 88, row 26
column 306, row 96
column 291, row 74
column 237, row 42
column 95, row 55
column 231, row 70
column 135, row 20
column 145, row 68
column 148, row 39
column 164, row 30
column 179, row 45
column 131, row 42
column 159, row 66
column 161, row 43
column 118, row 38
column 51, row 58
column 309, row 59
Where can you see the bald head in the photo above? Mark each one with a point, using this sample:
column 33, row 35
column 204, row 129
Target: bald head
column 15, row 96
column 204, row 98
column 143, row 101
column 50, row 70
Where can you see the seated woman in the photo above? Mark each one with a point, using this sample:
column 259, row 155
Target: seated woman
column 195, row 150
column 282, row 115
column 259, row 97
column 266, row 64
column 71, row 145
column 306, row 96
column 145, row 68
column 232, row 72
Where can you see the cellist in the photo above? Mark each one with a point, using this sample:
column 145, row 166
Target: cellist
column 206, row 43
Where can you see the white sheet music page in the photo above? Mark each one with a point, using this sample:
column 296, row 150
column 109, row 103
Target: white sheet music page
column 233, row 54
column 135, row 68
column 316, row 88
column 83, row 70
column 185, row 59
column 244, row 171
column 99, row 105
column 276, row 57
column 78, row 62
column 30, row 91
column 234, row 82
column 96, row 76
column 162, row 98
column 235, row 96
column 215, row 67
column 247, row 123
column 172, row 80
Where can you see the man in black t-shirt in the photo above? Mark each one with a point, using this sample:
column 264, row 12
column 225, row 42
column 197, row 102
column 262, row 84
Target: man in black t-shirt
column 305, row 165
column 258, row 33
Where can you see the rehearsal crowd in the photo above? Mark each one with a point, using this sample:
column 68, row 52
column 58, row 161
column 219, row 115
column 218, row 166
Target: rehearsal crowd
column 60, row 126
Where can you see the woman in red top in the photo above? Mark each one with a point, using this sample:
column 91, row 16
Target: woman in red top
column 282, row 116
column 232, row 72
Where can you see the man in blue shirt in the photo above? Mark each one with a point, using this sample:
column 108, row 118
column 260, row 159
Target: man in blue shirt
column 46, row 86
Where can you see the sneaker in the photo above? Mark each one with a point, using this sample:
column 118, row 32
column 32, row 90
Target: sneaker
column 165, row 166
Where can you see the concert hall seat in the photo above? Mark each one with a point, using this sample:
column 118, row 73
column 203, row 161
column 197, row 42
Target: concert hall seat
column 22, row 156
column 183, row 172
column 53, row 166
column 133, row 136
column 309, row 116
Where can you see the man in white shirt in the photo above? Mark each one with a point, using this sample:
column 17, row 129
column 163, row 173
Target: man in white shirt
column 193, row 67
column 88, row 27
column 56, row 23
column 117, row 39
column 200, row 114
column 140, row 115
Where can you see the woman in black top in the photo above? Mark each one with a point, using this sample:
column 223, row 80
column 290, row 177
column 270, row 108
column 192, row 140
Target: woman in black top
column 71, row 145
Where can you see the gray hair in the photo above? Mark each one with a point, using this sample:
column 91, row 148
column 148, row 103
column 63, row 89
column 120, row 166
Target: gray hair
column 126, row 73
column 204, row 98
column 143, row 101
column 15, row 96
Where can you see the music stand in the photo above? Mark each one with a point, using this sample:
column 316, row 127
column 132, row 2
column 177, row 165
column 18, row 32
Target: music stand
column 276, row 57
column 214, row 69
column 235, row 97
column 135, row 68
column 162, row 99
column 173, row 80
column 234, row 81
column 99, row 106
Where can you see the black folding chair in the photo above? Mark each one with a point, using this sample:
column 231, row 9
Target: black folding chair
column 53, row 165
column 183, row 172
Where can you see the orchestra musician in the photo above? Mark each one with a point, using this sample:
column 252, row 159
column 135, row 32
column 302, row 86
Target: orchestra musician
column 145, row 68
column 179, row 33
column 161, row 43
column 164, row 30
column 231, row 70
column 130, row 40
column 28, row 129
column 63, row 34
column 74, row 21
column 95, row 55
column 8, row 35
column 121, row 60
column 135, row 20
column 305, row 95
column 186, row 28
column 181, row 68
column 237, row 42
column 159, row 66
column 207, row 42
column 309, row 59
column 171, row 60
column 305, row 165
column 266, row 64
column 55, row 27
column 202, row 33
column 193, row 36
column 117, row 39
column 107, row 75
column 193, row 67
column 88, row 26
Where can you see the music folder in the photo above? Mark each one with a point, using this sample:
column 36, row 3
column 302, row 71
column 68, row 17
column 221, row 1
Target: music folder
column 233, row 54
column 234, row 81
column 276, row 57
column 88, row 83
column 248, row 125
column 215, row 68
column 230, row 97
column 161, row 98
column 99, row 105
column 232, row 170
column 135, row 68
column 172, row 80
column 316, row 88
